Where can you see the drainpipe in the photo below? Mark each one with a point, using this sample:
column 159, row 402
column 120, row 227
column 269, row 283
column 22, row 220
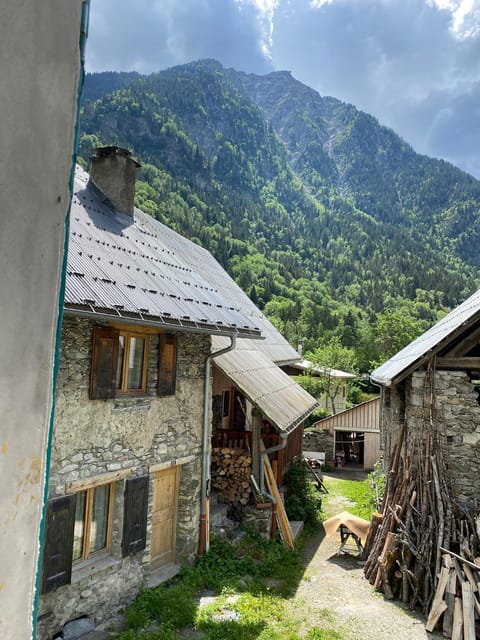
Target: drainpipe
column 278, row 447
column 203, row 541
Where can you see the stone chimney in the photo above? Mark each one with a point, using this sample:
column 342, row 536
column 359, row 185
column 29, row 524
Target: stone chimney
column 113, row 171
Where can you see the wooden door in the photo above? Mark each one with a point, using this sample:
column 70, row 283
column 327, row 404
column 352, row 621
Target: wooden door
column 164, row 517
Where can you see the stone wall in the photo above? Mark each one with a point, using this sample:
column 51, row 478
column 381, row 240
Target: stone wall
column 319, row 440
column 456, row 413
column 94, row 437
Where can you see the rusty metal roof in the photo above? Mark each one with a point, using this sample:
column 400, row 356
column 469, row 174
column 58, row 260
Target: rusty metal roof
column 429, row 343
column 276, row 395
column 140, row 270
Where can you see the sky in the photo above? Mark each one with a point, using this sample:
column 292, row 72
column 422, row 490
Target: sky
column 414, row 64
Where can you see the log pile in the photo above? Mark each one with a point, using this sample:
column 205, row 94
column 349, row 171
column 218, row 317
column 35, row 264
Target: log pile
column 424, row 547
column 230, row 474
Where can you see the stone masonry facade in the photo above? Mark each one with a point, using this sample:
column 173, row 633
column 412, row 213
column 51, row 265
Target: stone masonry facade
column 455, row 413
column 96, row 437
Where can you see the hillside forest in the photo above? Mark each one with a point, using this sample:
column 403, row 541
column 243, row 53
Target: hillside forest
column 330, row 222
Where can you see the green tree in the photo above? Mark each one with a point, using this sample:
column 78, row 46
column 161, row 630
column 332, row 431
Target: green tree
column 328, row 357
column 394, row 329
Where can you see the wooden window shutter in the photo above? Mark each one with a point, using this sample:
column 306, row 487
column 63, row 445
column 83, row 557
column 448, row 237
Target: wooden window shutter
column 58, row 546
column 167, row 365
column 103, row 373
column 135, row 515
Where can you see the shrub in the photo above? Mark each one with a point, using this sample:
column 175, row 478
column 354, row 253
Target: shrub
column 303, row 500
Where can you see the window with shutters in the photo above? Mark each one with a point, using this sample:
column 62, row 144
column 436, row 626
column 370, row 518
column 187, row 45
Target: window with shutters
column 93, row 521
column 120, row 363
column 79, row 532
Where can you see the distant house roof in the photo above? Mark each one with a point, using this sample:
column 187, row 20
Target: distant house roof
column 278, row 397
column 362, row 417
column 306, row 366
column 141, row 271
column 429, row 343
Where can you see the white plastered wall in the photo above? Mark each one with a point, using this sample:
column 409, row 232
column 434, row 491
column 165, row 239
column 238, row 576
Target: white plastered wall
column 39, row 76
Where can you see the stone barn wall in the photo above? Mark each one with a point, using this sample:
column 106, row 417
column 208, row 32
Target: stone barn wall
column 456, row 414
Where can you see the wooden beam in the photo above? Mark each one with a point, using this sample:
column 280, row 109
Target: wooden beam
column 457, row 628
column 464, row 560
column 439, row 605
column 282, row 518
column 466, row 344
column 464, row 363
column 96, row 481
column 175, row 462
column 468, row 612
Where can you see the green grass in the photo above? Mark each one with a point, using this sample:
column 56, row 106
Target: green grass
column 261, row 575
column 359, row 494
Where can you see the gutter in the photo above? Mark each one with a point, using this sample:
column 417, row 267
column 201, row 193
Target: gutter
column 203, row 542
column 191, row 327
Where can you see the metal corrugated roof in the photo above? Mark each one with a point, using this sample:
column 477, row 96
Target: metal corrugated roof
column 277, row 396
column 119, row 267
column 429, row 343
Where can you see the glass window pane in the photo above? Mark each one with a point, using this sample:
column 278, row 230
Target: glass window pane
column 99, row 523
column 121, row 352
column 79, row 529
column 135, row 362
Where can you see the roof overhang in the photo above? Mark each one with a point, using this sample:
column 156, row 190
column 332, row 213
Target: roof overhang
column 172, row 324
column 429, row 344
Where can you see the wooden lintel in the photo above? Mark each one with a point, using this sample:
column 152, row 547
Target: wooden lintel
column 96, row 481
column 464, row 363
column 171, row 463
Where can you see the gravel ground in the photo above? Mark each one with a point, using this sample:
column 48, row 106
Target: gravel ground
column 333, row 591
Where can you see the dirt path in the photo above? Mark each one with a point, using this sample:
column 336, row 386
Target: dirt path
column 334, row 593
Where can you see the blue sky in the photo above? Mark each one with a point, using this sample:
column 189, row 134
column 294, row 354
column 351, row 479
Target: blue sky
column 414, row 64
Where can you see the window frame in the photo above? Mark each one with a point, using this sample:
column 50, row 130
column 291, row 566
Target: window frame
column 87, row 521
column 104, row 365
column 124, row 390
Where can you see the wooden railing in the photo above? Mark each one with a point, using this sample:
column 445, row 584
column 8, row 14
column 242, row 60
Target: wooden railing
column 232, row 439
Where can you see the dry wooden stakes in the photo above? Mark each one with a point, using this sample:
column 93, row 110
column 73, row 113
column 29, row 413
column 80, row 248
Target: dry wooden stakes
column 424, row 547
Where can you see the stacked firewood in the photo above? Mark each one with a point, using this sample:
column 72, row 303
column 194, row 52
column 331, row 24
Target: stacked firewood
column 230, row 474
column 424, row 547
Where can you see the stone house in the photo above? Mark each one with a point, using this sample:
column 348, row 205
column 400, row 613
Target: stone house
column 128, row 479
column 435, row 382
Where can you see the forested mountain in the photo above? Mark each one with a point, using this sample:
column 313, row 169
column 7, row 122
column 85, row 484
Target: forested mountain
column 329, row 221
